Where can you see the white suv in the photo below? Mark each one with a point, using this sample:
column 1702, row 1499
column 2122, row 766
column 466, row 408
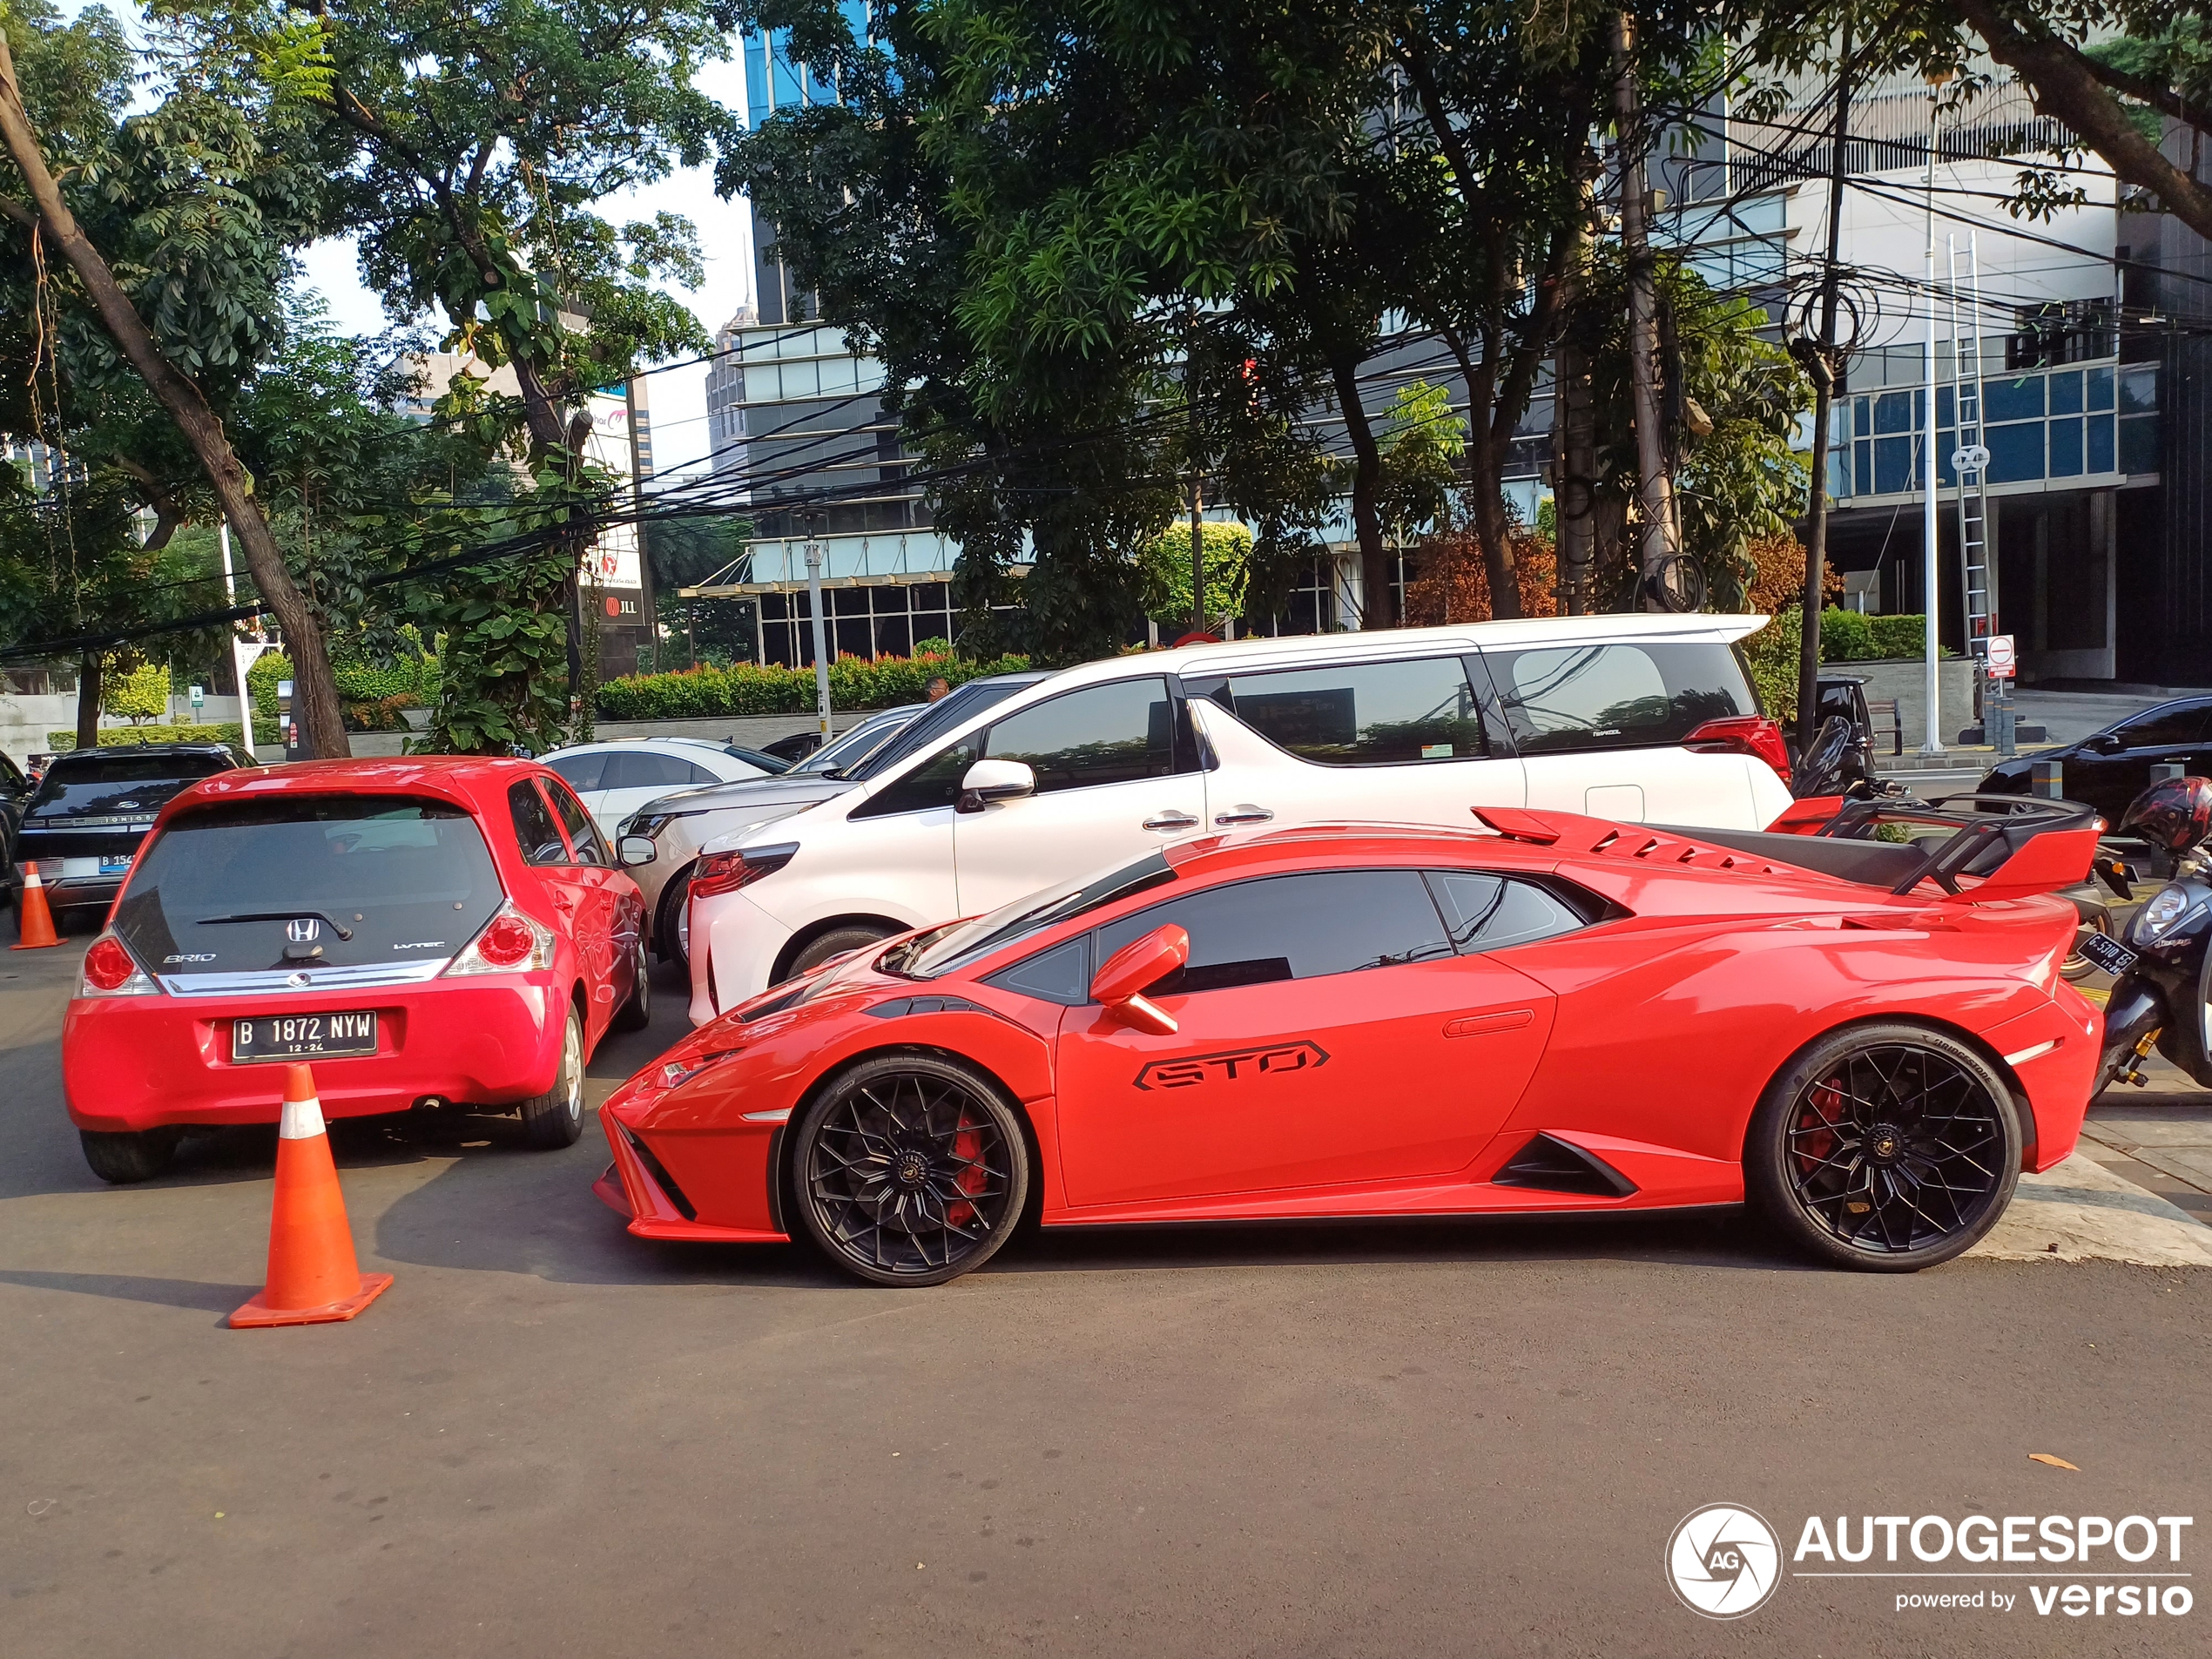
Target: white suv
column 1647, row 719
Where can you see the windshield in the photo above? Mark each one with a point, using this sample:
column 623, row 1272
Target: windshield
column 952, row 709
column 853, row 746
column 1031, row 913
column 123, row 783
column 377, row 879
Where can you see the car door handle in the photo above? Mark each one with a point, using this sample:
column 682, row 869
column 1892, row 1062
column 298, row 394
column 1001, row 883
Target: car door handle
column 1171, row 821
column 1243, row 812
column 1477, row 1025
column 561, row 901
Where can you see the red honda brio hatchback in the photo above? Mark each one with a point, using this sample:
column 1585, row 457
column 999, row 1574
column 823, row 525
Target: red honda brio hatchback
column 426, row 931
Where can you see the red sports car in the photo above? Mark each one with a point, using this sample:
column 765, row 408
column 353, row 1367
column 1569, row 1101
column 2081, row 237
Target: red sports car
column 429, row 931
column 1867, row 1038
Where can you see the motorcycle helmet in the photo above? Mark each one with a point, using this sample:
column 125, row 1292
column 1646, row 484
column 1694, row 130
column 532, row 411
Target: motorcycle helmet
column 2174, row 815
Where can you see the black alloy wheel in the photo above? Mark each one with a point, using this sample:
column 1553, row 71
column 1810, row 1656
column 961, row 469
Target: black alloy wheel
column 911, row 1169
column 1886, row 1148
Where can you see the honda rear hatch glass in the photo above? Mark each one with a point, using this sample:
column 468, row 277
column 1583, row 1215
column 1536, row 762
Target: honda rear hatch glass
column 305, row 881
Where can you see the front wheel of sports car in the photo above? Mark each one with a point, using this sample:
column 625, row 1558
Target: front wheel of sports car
column 911, row 1169
column 1886, row 1148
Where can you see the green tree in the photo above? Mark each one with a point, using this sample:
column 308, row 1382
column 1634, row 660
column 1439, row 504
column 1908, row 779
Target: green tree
column 138, row 694
column 1227, row 549
column 470, row 146
column 172, row 228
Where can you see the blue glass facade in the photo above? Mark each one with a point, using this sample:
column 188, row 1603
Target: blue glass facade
column 2074, row 422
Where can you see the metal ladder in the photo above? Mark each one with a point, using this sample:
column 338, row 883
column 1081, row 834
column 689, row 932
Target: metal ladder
column 1969, row 459
column 1970, row 468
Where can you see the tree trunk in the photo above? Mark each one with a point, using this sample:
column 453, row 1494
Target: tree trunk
column 201, row 427
column 1655, row 489
column 1376, row 607
column 92, row 674
column 1823, row 399
column 1575, row 478
column 2064, row 84
column 1493, row 528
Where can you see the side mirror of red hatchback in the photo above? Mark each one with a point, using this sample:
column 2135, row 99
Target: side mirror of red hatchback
column 1120, row 983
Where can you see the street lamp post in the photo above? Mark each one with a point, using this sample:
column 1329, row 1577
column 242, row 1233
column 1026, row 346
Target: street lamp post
column 821, row 637
column 1930, row 564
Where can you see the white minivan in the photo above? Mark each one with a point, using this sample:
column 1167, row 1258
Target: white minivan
column 1645, row 719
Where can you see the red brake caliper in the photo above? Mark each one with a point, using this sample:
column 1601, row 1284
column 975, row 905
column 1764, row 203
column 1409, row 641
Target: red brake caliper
column 1826, row 1107
column 967, row 1145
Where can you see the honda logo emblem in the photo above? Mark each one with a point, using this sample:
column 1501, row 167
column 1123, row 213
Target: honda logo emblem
column 301, row 929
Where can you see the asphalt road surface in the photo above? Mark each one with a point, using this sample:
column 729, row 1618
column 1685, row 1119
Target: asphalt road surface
column 550, row 1437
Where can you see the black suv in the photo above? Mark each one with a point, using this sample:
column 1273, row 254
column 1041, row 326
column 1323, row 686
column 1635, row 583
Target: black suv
column 93, row 808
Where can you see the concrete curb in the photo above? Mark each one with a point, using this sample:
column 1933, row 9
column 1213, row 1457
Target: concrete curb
column 2080, row 1211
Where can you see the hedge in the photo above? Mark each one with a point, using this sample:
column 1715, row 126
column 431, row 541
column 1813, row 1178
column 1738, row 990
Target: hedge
column 125, row 737
column 1853, row 637
column 748, row 688
column 372, row 697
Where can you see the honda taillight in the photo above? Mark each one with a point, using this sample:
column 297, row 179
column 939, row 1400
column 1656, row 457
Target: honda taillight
column 510, row 943
column 109, row 971
column 727, row 871
column 1744, row 734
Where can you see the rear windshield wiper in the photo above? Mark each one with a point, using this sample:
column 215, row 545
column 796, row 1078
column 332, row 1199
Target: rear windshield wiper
column 276, row 916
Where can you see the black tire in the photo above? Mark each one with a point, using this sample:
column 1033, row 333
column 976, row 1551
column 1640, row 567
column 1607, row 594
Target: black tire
column 636, row 1013
column 672, row 921
column 1886, row 1148
column 910, row 1169
column 838, row 941
column 123, row 1158
column 555, row 1118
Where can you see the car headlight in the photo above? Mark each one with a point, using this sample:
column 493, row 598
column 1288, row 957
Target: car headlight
column 2167, row 907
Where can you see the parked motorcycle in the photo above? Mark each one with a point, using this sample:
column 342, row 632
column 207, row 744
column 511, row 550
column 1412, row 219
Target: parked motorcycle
column 2162, row 998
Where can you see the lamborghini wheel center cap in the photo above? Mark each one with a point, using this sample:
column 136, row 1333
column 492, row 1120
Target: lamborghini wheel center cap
column 911, row 1168
column 1885, row 1142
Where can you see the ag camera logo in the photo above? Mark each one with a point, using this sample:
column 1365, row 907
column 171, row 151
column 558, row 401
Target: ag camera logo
column 1723, row 1561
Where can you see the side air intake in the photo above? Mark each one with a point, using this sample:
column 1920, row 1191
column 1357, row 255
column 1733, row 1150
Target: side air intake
column 1556, row 1166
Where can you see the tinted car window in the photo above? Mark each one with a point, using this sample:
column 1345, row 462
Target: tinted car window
column 642, row 769
column 1485, row 913
column 1365, row 714
column 1562, row 699
column 111, row 783
column 1102, row 734
column 534, row 830
column 935, row 783
column 2169, row 727
column 1061, row 974
column 1034, row 913
column 956, row 708
column 409, row 880
column 1291, row 927
column 588, row 848
column 849, row 748
column 583, row 771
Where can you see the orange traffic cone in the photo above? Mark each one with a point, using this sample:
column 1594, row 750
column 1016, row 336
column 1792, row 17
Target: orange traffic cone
column 313, row 1276
column 34, row 922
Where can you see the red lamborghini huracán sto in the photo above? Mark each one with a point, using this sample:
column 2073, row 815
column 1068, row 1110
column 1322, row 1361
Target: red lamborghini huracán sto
column 1867, row 1039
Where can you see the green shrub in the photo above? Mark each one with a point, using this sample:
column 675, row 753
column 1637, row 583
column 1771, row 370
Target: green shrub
column 1899, row 636
column 125, row 737
column 140, row 694
column 748, row 688
column 1771, row 654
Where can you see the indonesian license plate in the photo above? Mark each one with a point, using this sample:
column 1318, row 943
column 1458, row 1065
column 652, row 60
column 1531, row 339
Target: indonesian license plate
column 302, row 1036
column 114, row 866
column 2109, row 953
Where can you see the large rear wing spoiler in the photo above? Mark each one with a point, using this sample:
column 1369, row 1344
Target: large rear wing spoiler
column 2008, row 846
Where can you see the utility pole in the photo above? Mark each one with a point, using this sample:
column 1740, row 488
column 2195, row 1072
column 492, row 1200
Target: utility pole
column 1197, row 503
column 1827, row 373
column 1654, row 494
column 821, row 638
column 1931, row 568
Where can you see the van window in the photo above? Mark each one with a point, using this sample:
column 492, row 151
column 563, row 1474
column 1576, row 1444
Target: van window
column 1114, row 733
column 1570, row 698
column 1365, row 714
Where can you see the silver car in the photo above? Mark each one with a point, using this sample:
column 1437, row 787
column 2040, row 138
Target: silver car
column 679, row 824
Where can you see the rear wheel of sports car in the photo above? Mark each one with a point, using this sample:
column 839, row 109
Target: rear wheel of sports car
column 911, row 1169
column 1886, row 1148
